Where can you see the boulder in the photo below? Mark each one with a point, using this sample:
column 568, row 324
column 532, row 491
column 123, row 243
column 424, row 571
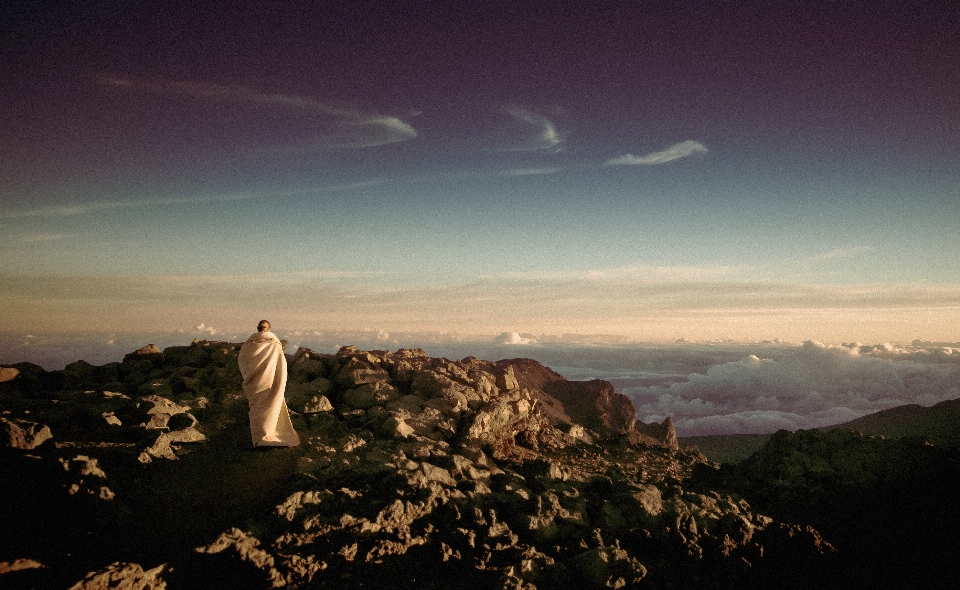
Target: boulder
column 357, row 372
column 149, row 352
column 317, row 404
column 24, row 434
column 8, row 374
column 370, row 394
column 164, row 445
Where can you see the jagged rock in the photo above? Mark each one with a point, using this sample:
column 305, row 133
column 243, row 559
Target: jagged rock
column 595, row 404
column 608, row 567
column 163, row 446
column 375, row 393
column 506, row 380
column 23, row 434
column 17, row 565
column 162, row 405
column 432, row 471
column 307, row 366
column 396, row 427
column 663, row 433
column 317, row 404
column 245, row 548
column 123, row 576
column 356, row 372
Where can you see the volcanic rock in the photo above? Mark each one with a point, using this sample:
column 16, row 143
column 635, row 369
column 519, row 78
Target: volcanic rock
column 412, row 472
column 23, row 434
column 663, row 433
column 123, row 576
column 8, row 374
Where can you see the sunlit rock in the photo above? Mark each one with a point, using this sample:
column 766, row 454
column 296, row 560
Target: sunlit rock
column 24, row 434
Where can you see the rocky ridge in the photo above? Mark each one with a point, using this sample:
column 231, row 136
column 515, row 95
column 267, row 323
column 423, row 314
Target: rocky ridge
column 413, row 471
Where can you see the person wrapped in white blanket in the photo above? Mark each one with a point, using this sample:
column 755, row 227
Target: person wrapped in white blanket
column 264, row 371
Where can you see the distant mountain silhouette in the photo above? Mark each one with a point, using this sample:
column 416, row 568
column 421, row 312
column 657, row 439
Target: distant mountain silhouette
column 726, row 448
column 938, row 425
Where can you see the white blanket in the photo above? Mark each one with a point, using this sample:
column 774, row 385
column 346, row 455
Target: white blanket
column 264, row 370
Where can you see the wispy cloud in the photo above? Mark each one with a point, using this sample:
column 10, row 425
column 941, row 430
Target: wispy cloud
column 674, row 152
column 351, row 127
column 545, row 133
column 836, row 254
column 529, row 171
column 36, row 238
column 93, row 207
column 633, row 273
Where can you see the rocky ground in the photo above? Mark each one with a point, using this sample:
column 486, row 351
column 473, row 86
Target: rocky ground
column 413, row 472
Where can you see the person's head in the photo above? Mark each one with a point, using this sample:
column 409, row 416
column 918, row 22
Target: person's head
column 263, row 326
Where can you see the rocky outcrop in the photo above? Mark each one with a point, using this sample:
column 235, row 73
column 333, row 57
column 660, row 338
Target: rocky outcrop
column 24, row 434
column 596, row 405
column 663, row 433
column 413, row 471
column 123, row 576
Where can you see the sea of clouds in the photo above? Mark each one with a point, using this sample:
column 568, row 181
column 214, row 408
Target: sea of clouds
column 811, row 386
column 706, row 388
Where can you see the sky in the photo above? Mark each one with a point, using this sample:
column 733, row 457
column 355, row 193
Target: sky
column 642, row 171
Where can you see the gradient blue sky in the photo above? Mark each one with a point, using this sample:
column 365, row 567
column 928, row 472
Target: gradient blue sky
column 700, row 170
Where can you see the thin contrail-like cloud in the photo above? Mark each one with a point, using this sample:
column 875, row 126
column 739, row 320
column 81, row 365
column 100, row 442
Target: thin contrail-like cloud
column 84, row 208
column 38, row 238
column 547, row 135
column 674, row 152
column 529, row 171
column 838, row 253
column 384, row 129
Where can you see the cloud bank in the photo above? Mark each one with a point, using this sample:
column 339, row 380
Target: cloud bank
column 815, row 385
column 514, row 339
column 647, row 305
column 674, row 152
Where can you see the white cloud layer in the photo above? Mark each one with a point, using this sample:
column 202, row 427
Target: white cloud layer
column 513, row 338
column 674, row 152
column 812, row 386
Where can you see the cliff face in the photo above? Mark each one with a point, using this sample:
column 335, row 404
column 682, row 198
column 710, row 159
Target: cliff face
column 414, row 471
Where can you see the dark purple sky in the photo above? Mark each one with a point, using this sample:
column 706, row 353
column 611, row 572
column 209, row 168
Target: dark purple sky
column 769, row 150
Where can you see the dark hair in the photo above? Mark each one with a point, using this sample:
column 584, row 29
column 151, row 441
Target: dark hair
column 263, row 326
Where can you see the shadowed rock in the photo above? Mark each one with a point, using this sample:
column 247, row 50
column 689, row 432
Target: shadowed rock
column 413, row 472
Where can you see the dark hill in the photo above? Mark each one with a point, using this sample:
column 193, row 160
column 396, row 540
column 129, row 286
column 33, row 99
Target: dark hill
column 939, row 424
